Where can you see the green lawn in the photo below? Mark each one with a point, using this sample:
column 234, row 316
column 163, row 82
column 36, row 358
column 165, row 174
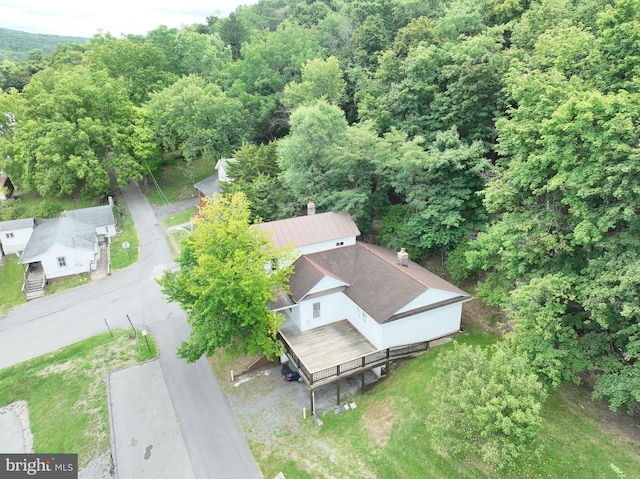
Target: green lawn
column 177, row 180
column 11, row 278
column 122, row 257
column 385, row 437
column 66, row 392
column 178, row 218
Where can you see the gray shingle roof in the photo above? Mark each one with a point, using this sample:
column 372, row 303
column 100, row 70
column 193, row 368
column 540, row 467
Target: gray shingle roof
column 13, row 225
column 96, row 215
column 63, row 230
column 209, row 185
column 377, row 283
column 310, row 229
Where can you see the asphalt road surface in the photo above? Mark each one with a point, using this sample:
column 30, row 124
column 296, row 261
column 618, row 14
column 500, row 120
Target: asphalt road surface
column 213, row 441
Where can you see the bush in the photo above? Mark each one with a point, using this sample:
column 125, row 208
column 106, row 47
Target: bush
column 488, row 404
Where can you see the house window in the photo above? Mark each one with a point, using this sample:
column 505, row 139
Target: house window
column 9, row 235
column 62, row 261
column 316, row 310
column 340, row 243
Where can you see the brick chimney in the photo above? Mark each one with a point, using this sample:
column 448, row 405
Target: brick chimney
column 311, row 208
column 403, row 257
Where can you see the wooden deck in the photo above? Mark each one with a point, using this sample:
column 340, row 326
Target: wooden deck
column 327, row 346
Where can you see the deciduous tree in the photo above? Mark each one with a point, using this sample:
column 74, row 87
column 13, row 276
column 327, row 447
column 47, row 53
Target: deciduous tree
column 72, row 134
column 197, row 118
column 487, row 404
column 224, row 282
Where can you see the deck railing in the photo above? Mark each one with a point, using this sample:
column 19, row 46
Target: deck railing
column 362, row 363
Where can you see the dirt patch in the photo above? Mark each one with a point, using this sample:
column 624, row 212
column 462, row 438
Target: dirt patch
column 490, row 319
column 613, row 423
column 378, row 421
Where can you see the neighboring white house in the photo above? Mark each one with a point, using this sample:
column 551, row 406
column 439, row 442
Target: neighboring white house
column 14, row 235
column 70, row 244
column 221, row 166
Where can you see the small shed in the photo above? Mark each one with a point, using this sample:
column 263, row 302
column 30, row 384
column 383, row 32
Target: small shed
column 206, row 188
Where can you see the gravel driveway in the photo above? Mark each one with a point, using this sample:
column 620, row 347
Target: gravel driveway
column 265, row 404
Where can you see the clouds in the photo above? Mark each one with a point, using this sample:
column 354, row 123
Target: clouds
column 118, row 17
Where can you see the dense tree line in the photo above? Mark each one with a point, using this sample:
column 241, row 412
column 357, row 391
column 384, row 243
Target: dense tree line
column 504, row 134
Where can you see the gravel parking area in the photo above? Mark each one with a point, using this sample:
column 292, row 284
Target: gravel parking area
column 266, row 405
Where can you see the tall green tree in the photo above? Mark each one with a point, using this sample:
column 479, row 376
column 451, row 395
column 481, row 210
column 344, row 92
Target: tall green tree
column 72, row 135
column 224, row 285
column 562, row 254
column 438, row 187
column 269, row 62
column 204, row 55
column 321, row 80
column 305, row 155
column 140, row 63
column 197, row 118
column 256, row 174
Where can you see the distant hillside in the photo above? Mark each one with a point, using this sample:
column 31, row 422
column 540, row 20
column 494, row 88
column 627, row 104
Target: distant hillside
column 15, row 45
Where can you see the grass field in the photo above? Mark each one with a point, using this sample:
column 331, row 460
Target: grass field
column 66, row 393
column 176, row 181
column 385, row 436
column 11, row 278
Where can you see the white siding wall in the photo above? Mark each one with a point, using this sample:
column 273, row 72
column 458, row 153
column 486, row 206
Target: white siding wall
column 77, row 261
column 336, row 307
column 430, row 296
column 293, row 314
column 326, row 245
column 331, row 310
column 325, row 284
column 422, row 327
column 364, row 323
column 18, row 242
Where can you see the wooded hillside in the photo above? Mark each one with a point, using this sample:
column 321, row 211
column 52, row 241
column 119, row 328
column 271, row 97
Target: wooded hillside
column 504, row 134
column 16, row 45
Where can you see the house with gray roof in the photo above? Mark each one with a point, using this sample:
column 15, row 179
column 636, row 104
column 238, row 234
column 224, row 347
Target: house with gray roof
column 353, row 306
column 76, row 242
column 14, row 235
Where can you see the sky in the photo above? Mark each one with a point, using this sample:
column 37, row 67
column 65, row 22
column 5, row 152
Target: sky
column 85, row 18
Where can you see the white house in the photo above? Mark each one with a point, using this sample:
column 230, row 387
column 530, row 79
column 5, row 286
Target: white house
column 70, row 244
column 390, row 303
column 221, row 166
column 354, row 306
column 14, row 235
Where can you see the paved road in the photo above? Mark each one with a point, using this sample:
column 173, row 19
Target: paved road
column 213, row 440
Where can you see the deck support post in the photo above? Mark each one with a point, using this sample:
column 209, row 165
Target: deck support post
column 312, row 401
column 338, row 390
column 387, row 365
